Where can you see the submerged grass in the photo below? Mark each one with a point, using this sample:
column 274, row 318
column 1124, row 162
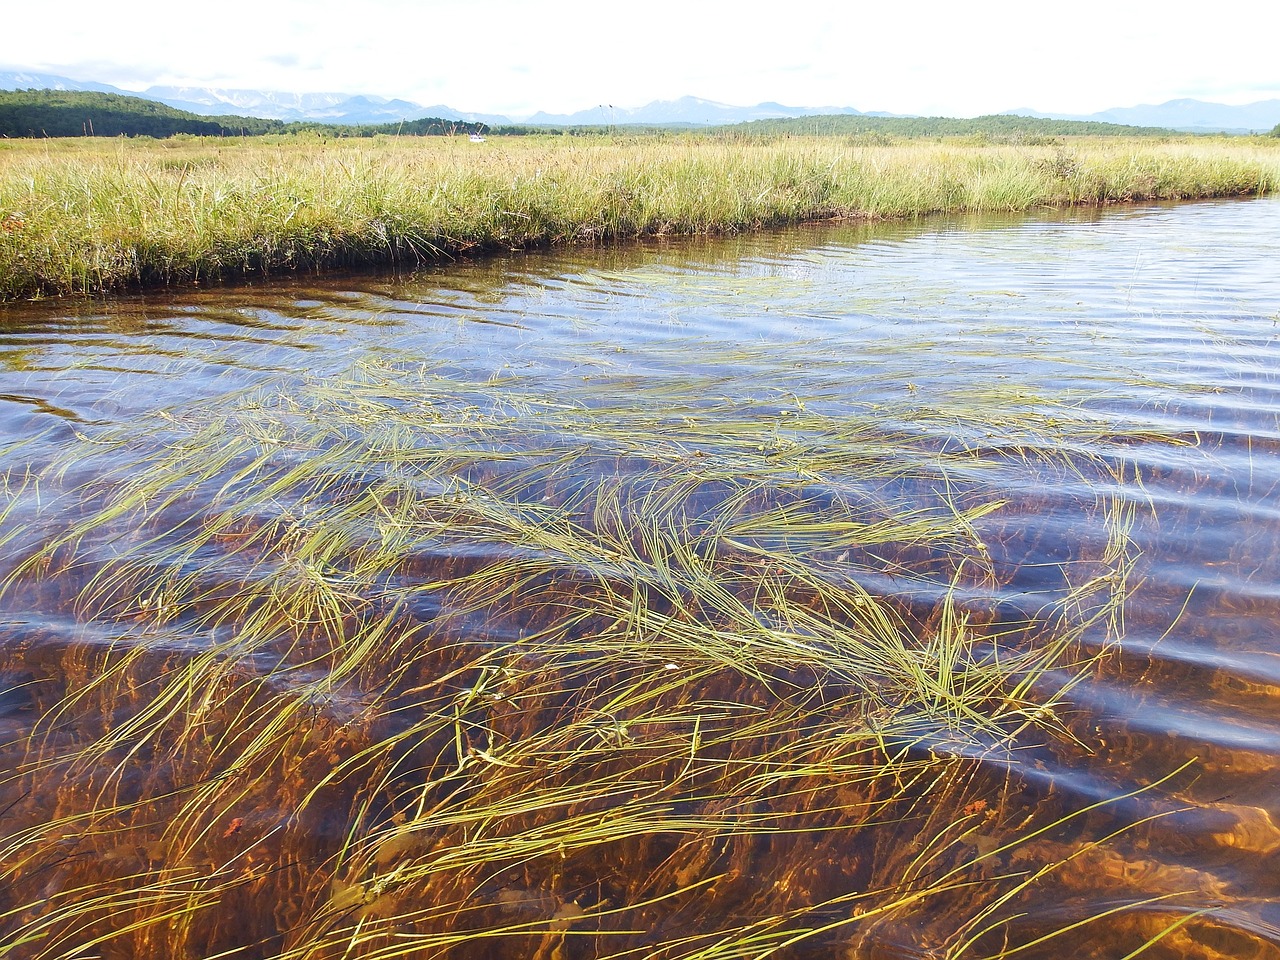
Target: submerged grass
column 403, row 664
column 88, row 217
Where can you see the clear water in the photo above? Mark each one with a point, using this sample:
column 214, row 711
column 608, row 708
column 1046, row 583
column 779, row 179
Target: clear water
column 1161, row 322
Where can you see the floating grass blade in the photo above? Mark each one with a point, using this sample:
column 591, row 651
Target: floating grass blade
column 404, row 662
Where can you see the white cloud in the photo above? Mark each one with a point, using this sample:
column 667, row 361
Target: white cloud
column 923, row 56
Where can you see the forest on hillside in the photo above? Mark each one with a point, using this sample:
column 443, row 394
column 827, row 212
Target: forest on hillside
column 74, row 113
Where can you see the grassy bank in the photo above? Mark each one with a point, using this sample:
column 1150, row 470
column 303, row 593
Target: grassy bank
column 88, row 217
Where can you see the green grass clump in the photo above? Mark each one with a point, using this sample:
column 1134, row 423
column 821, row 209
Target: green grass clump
column 91, row 216
column 407, row 664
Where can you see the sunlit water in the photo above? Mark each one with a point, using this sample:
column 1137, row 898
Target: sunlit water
column 1164, row 320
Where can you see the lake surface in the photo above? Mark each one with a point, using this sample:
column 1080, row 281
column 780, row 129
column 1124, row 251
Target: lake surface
column 1086, row 376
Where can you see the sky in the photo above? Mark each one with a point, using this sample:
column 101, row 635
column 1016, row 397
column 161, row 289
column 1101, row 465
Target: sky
column 958, row 58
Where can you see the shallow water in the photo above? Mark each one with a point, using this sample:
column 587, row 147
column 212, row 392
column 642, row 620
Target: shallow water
column 1143, row 344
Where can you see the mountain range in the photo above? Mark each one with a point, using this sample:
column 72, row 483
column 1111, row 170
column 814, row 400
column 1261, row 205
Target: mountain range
column 691, row 111
column 1193, row 116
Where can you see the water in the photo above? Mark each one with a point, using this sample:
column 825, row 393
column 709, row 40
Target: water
column 1140, row 347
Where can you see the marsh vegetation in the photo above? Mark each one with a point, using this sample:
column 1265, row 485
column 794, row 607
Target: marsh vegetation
column 90, row 216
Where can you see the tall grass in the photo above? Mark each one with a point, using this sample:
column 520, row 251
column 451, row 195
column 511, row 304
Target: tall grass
column 405, row 664
column 86, row 217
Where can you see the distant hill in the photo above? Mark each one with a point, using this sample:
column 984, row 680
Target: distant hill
column 77, row 113
column 999, row 126
column 339, row 108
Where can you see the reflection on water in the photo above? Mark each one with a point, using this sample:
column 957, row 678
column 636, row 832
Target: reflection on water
column 605, row 427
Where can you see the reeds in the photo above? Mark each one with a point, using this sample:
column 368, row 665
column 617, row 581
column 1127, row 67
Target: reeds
column 406, row 664
column 91, row 217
